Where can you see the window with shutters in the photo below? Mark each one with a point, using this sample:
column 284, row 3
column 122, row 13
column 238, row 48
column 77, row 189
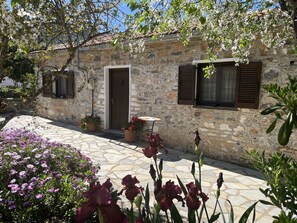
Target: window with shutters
column 63, row 87
column 229, row 86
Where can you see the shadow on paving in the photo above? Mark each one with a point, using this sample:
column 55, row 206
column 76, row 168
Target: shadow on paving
column 117, row 137
column 109, row 135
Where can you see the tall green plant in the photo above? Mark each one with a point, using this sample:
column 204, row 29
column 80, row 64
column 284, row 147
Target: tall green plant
column 285, row 109
column 279, row 172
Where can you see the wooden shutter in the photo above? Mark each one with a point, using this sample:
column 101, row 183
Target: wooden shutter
column 70, row 84
column 248, row 85
column 186, row 84
column 47, row 80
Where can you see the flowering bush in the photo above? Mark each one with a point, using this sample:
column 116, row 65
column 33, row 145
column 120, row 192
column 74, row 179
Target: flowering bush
column 103, row 198
column 40, row 181
column 135, row 124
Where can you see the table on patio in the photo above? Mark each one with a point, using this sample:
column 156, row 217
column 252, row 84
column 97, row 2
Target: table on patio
column 151, row 120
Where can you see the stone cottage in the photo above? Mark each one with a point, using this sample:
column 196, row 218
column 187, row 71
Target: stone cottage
column 166, row 81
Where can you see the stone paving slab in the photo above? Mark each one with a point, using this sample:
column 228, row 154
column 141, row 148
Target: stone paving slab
column 117, row 159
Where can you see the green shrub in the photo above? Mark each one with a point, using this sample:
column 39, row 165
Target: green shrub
column 3, row 105
column 285, row 109
column 280, row 175
column 10, row 92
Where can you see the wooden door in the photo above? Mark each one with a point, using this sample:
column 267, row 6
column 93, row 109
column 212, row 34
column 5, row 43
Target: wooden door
column 119, row 97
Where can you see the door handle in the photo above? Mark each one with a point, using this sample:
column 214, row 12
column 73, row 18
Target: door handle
column 112, row 101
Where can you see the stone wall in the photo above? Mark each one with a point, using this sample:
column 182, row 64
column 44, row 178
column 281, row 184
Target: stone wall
column 226, row 134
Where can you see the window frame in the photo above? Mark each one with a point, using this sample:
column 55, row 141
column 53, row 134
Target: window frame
column 217, row 102
column 52, row 93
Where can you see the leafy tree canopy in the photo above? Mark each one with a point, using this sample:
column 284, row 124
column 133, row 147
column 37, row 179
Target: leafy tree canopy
column 35, row 28
column 41, row 25
column 16, row 66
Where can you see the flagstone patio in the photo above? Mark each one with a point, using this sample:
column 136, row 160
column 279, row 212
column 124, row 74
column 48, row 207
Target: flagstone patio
column 117, row 159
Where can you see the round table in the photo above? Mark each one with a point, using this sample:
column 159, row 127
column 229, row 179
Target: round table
column 150, row 119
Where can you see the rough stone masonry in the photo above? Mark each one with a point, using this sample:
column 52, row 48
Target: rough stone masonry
column 226, row 133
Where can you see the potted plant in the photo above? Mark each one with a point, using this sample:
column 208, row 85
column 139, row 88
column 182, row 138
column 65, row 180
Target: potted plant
column 133, row 127
column 90, row 123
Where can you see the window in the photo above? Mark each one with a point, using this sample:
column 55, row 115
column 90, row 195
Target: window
column 219, row 89
column 229, row 86
column 63, row 87
column 59, row 88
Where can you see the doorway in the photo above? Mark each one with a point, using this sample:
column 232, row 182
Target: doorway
column 118, row 97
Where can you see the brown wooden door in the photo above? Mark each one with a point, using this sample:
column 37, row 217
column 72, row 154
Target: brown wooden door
column 119, row 97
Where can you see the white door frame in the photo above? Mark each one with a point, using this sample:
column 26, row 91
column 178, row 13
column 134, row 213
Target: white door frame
column 106, row 92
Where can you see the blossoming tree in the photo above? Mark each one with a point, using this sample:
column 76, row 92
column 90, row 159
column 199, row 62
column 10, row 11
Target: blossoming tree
column 39, row 26
column 228, row 25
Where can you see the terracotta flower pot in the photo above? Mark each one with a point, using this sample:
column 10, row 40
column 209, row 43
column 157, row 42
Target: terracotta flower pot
column 130, row 136
column 91, row 127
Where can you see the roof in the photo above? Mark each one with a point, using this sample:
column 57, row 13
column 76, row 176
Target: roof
column 107, row 38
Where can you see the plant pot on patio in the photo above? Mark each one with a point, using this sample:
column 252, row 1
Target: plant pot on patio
column 90, row 123
column 132, row 129
column 130, row 136
column 91, row 127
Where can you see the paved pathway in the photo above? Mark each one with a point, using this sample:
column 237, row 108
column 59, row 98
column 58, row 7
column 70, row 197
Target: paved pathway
column 117, row 159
